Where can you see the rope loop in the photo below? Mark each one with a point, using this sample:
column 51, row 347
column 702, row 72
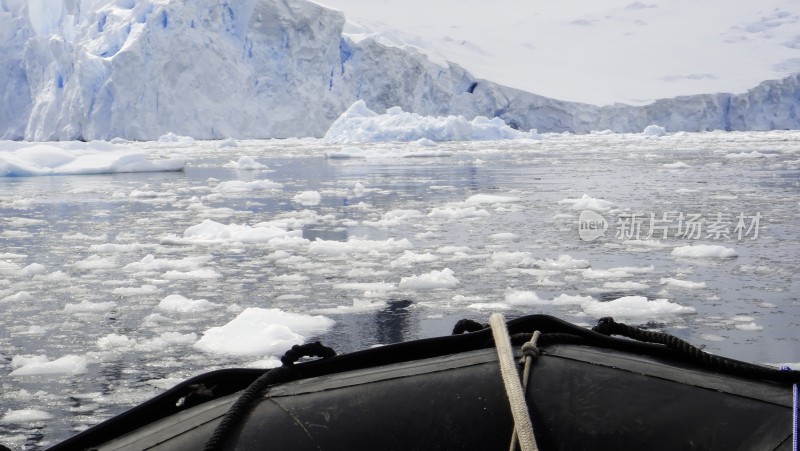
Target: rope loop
column 315, row 349
column 530, row 350
column 254, row 391
column 468, row 325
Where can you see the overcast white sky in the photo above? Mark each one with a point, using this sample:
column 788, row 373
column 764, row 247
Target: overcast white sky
column 596, row 51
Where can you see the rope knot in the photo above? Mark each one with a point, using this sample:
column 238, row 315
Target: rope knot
column 530, row 350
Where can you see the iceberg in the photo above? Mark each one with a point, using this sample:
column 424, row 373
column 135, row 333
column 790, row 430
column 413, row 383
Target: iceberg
column 360, row 124
column 45, row 159
column 141, row 70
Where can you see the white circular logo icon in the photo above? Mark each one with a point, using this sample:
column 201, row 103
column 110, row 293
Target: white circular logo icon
column 591, row 225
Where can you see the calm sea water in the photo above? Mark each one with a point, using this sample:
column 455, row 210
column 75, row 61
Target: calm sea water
column 88, row 238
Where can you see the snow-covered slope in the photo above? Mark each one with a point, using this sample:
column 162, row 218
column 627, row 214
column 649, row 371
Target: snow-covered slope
column 595, row 51
column 138, row 69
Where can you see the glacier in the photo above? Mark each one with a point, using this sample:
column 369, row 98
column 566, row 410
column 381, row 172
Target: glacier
column 212, row 69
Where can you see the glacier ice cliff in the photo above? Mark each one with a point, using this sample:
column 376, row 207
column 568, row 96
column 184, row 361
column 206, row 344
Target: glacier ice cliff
column 138, row 69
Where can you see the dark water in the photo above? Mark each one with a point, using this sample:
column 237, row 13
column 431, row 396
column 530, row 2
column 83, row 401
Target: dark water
column 748, row 307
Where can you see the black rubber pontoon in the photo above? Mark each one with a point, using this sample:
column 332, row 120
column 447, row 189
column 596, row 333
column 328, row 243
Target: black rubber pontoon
column 587, row 391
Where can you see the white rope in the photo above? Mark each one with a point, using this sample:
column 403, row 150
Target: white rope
column 526, row 374
column 516, row 397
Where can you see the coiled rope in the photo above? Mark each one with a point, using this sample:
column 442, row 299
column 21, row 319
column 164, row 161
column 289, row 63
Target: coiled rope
column 514, row 391
column 607, row 326
column 245, row 401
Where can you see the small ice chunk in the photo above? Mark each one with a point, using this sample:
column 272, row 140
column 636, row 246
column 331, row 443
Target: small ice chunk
column 308, row 198
column 238, row 186
column 654, row 130
column 636, row 307
column 704, row 251
column 566, row 299
column 114, row 341
column 749, row 327
column 22, row 416
column 676, row 165
column 586, row 202
column 260, row 332
column 524, row 298
column 504, row 236
column 90, row 307
column 245, row 163
column 179, row 304
column 745, row 155
column 490, row 199
column 227, row 142
column 711, row 337
column 678, row 283
column 69, row 364
column 451, row 213
column 358, row 306
column 430, row 281
column 21, row 296
column 358, row 189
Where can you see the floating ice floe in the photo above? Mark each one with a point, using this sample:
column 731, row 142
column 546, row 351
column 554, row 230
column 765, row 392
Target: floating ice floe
column 620, row 286
column 175, row 138
column 135, row 291
column 238, row 186
column 90, row 307
column 451, row 213
column 635, row 307
column 586, row 202
column 394, row 218
column 179, row 304
column 366, row 286
column 654, row 130
column 360, row 124
column 21, row 296
column 67, row 365
column 358, row 306
column 150, row 263
column 46, row 159
column 410, row 258
column 490, row 199
column 21, row 416
column 259, row 332
column 430, row 281
column 308, row 198
column 504, row 236
column 214, row 232
column 566, row 299
column 678, row 283
column 226, row 143
column 245, row 163
column 746, row 155
column 704, row 251
column 524, row 298
column 356, row 246
column 676, row 165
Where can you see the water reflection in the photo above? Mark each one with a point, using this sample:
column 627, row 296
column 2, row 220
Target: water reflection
column 392, row 323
